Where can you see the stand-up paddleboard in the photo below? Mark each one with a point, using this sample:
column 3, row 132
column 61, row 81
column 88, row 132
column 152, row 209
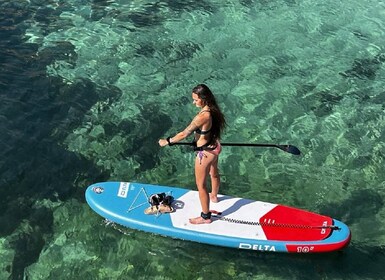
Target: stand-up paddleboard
column 243, row 223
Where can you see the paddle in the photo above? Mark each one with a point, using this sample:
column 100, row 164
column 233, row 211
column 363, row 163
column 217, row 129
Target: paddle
column 286, row 148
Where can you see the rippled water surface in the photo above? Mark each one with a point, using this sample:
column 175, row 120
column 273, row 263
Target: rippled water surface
column 87, row 88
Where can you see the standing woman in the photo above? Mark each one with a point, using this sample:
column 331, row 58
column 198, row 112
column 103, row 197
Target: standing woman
column 207, row 126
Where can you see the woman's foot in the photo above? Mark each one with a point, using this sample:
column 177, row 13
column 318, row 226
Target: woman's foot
column 213, row 198
column 199, row 220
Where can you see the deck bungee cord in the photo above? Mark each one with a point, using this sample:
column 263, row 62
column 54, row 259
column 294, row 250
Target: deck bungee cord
column 218, row 216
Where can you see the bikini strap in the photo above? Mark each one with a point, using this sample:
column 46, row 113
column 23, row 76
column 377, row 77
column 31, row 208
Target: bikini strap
column 205, row 147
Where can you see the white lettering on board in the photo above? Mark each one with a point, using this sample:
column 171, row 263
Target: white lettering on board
column 123, row 189
column 257, row 247
column 305, row 249
column 324, row 225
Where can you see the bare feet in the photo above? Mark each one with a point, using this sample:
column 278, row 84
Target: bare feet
column 199, row 220
column 213, row 198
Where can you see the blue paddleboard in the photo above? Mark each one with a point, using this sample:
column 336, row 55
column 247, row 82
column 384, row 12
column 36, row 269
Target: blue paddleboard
column 243, row 223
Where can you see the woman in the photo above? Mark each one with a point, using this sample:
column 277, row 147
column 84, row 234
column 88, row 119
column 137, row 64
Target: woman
column 207, row 127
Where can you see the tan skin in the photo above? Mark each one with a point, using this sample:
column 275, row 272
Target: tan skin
column 208, row 165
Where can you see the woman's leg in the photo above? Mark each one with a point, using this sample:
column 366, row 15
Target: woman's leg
column 215, row 180
column 202, row 168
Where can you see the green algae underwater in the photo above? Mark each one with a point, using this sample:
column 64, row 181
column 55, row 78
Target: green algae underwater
column 88, row 87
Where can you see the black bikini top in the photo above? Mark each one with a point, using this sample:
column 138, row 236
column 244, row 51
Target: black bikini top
column 202, row 132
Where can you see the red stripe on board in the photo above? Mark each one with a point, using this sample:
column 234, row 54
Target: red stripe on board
column 287, row 223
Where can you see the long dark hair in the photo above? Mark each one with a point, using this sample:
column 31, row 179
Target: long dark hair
column 218, row 119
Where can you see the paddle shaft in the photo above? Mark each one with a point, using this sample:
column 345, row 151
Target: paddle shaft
column 249, row 145
column 233, row 144
column 286, row 148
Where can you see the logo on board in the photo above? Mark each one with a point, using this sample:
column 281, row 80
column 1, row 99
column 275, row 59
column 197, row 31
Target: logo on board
column 123, row 189
column 257, row 247
column 98, row 189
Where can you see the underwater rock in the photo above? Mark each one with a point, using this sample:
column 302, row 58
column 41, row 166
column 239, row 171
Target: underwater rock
column 365, row 68
column 66, row 249
column 7, row 255
column 82, row 246
column 321, row 103
column 22, row 247
column 61, row 51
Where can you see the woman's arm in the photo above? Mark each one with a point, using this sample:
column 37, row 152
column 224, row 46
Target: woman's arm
column 196, row 123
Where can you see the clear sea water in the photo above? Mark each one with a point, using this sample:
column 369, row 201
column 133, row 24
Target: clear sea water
column 87, row 88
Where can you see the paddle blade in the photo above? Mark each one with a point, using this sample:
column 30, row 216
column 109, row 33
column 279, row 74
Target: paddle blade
column 290, row 149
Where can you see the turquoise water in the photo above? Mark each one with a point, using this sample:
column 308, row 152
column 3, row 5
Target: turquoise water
column 87, row 88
